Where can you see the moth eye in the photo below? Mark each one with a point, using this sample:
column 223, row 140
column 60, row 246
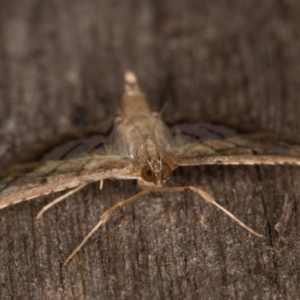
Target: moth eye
column 147, row 174
column 166, row 171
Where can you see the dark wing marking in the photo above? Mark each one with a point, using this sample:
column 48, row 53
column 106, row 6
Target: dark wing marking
column 202, row 131
column 66, row 146
column 27, row 181
column 207, row 143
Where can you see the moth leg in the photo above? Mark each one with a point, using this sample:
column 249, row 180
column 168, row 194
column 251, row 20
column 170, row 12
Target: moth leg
column 101, row 184
column 55, row 201
column 107, row 214
column 209, row 199
column 104, row 218
column 287, row 210
column 205, row 196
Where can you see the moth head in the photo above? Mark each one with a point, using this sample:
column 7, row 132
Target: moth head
column 156, row 172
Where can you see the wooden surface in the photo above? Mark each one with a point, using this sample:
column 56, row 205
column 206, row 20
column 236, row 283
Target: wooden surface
column 61, row 65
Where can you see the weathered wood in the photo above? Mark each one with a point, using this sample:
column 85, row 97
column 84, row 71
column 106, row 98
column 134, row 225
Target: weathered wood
column 61, row 65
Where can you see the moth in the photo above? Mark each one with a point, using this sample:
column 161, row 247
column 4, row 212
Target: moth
column 137, row 145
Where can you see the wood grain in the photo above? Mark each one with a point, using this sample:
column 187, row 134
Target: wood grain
column 62, row 65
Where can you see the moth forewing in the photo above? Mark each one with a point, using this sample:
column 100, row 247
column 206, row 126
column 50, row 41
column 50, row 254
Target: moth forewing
column 25, row 182
column 212, row 143
column 238, row 160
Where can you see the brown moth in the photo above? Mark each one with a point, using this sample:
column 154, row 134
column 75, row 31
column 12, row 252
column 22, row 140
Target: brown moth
column 138, row 145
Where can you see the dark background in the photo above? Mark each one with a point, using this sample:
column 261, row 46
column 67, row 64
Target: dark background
column 61, row 65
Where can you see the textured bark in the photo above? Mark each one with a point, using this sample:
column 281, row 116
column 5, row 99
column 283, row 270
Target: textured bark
column 61, row 65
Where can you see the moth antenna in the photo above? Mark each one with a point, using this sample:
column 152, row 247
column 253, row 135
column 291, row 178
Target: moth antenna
column 131, row 83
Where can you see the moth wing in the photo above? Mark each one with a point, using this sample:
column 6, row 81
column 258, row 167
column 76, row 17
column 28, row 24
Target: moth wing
column 201, row 143
column 61, row 162
column 69, row 145
column 27, row 181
